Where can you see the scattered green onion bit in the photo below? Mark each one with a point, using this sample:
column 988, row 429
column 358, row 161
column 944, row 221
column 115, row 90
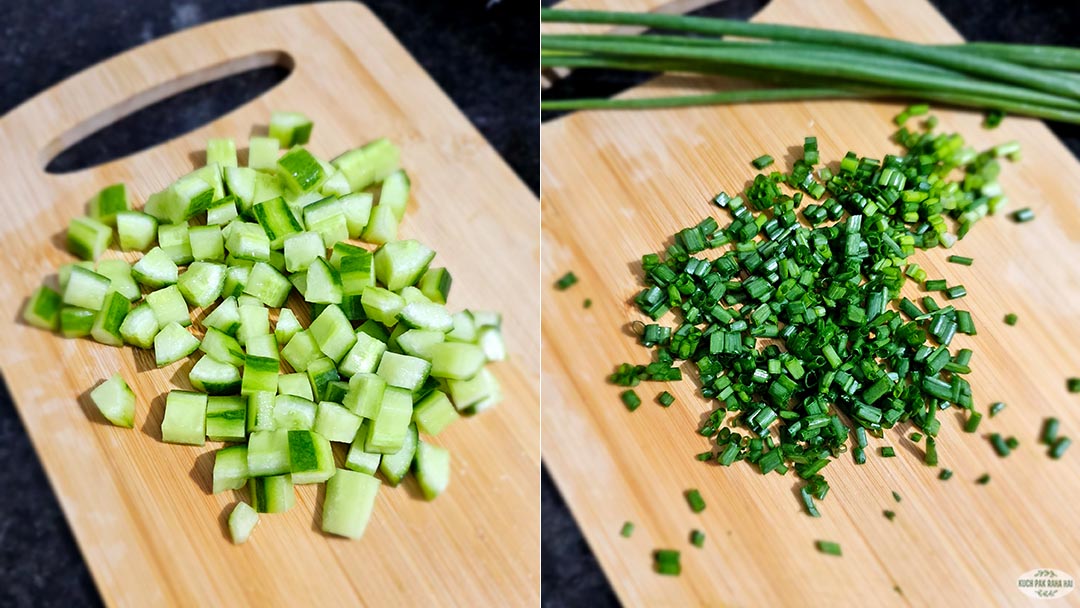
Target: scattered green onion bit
column 944, row 475
column 1011, row 318
column 955, row 292
column 1057, row 449
column 993, row 118
column 935, row 285
column 697, row 538
column 627, row 529
column 889, row 515
column 1073, row 385
column 998, row 442
column 916, row 437
column 1049, row 431
column 983, row 480
column 808, row 502
column 1022, row 215
column 667, row 562
column 972, row 423
column 694, row 499
column 896, row 496
column 888, row 452
column 630, row 399
column 665, row 398
column 931, row 457
column 566, row 281
column 996, row 408
column 828, row 547
column 588, row 303
column 1012, row 442
column 959, row 259
column 762, row 161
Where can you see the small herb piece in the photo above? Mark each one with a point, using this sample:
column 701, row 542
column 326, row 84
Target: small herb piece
column 959, row 259
column 889, row 515
column 627, row 529
column 887, row 452
column 828, row 547
column 972, row 424
column 1022, row 215
column 1058, row 448
column 1011, row 318
column 697, row 538
column 808, row 502
column 762, row 161
column 944, row 475
column 630, row 399
column 993, row 119
column 996, row 408
column 1012, row 442
column 930, row 459
column 1073, row 384
column 1050, row 431
column 667, row 562
column 665, row 398
column 588, row 303
column 955, row 292
column 696, row 502
column 916, row 437
column 935, row 285
column 896, row 496
column 566, row 281
column 985, row 479
column 998, row 442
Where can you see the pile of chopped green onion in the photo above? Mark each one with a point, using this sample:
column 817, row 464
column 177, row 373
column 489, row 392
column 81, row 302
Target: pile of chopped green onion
column 797, row 329
column 808, row 63
column 382, row 366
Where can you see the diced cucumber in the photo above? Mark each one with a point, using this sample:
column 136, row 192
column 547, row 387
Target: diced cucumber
column 242, row 522
column 107, row 203
column 222, row 347
column 277, row 220
column 43, row 308
column 87, row 238
column 401, row 263
column 336, row 391
column 76, row 322
column 382, row 226
column 336, row 184
column 363, row 357
column 155, row 269
column 321, row 372
column 357, row 210
column 333, row 332
column 236, row 276
column 286, row 327
column 477, row 394
column 421, row 315
column 263, row 153
column 374, row 329
column 268, row 285
column 395, row 466
column 254, row 321
column 226, row 317
column 202, row 283
column 434, row 413
column 295, row 384
column 387, row 434
column 223, row 211
column 323, row 283
column 301, row 351
column 86, row 289
column 456, row 360
column 241, row 184
column 435, row 284
column 357, row 459
column 260, row 374
column 263, row 346
column 213, row 377
column 174, row 240
column 368, row 164
column 248, row 241
column 336, row 423
column 418, row 342
column 211, row 174
column 140, row 326
column 299, row 170
column 412, row 295
column 226, row 417
column 186, row 197
column 268, row 453
column 221, row 151
column 260, row 412
column 432, row 469
column 327, row 218
column 173, row 343
column 119, row 274
column 207, row 244
column 464, row 328
column 272, row 494
column 395, row 193
column 267, row 186
column 365, row 395
column 403, row 371
column 350, row 499
column 299, row 281
column 293, row 413
column 490, row 340
column 137, row 230
column 230, row 468
column 302, row 249
column 357, row 272
column 340, row 250
column 116, row 401
column 311, row 459
column 185, row 417
column 63, row 274
column 290, row 129
column 169, row 306
column 382, row 305
column 114, row 309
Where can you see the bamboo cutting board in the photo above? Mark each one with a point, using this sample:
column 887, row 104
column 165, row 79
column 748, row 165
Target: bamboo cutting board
column 618, row 184
column 140, row 509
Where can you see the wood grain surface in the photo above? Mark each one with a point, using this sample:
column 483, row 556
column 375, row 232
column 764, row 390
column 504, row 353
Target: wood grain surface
column 618, row 184
column 140, row 509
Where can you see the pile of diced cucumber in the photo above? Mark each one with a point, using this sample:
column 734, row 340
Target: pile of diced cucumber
column 382, row 366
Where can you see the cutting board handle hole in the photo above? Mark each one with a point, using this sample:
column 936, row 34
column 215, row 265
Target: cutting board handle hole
column 166, row 111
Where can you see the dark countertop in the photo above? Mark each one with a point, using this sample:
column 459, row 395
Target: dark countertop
column 482, row 53
column 571, row 576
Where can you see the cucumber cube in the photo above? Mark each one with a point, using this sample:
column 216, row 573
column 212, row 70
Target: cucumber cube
column 311, row 459
column 185, row 418
column 116, row 401
column 230, row 468
column 350, row 499
column 226, row 417
column 242, row 522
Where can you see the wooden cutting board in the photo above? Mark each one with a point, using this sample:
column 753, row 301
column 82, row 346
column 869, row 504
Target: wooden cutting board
column 141, row 509
column 618, row 184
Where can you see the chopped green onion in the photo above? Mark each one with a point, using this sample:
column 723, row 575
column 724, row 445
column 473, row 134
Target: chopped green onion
column 1073, row 385
column 955, row 292
column 566, row 281
column 896, row 496
column 972, row 423
column 588, row 303
column 996, row 408
column 630, row 399
column 694, row 499
column 944, row 475
column 888, row 452
column 959, row 259
column 983, row 480
column 667, row 562
column 1050, row 431
column 993, row 118
column 1010, row 319
column 1057, row 449
column 1022, row 215
column 828, row 547
column 665, row 398
column 697, row 538
column 762, row 161
column 889, row 515
column 627, row 530
column 916, row 437
column 935, row 285
column 998, row 442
